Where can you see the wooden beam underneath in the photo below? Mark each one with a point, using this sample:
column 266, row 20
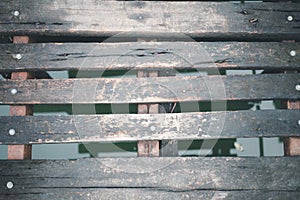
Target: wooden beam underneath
column 20, row 152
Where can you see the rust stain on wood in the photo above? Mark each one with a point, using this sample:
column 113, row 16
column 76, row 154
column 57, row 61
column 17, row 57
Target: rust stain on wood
column 20, row 152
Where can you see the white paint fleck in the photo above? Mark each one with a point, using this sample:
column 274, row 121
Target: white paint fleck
column 206, row 136
column 238, row 146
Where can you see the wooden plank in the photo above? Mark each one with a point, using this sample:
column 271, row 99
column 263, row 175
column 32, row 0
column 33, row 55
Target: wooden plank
column 19, row 152
column 149, row 55
column 151, row 90
column 148, row 148
column 292, row 146
column 166, row 174
column 133, row 127
column 149, row 193
column 203, row 19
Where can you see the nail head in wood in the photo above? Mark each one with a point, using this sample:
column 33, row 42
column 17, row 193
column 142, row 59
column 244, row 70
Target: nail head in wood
column 16, row 13
column 299, row 122
column 293, row 53
column 17, row 56
column 290, row 18
column 152, row 128
column 13, row 91
column 12, row 132
column 9, row 185
column 297, row 87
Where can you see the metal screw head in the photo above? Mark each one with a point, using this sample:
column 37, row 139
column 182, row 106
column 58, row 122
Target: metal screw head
column 17, row 56
column 290, row 18
column 299, row 122
column 14, row 91
column 297, row 87
column 9, row 185
column 12, row 132
column 293, row 53
column 152, row 128
column 16, row 13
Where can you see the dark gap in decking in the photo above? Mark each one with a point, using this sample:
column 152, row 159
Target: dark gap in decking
column 115, row 39
column 177, row 107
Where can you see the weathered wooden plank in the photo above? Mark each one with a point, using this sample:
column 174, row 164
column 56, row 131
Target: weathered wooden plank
column 151, row 90
column 165, row 174
column 132, row 127
column 149, row 193
column 196, row 19
column 20, row 152
column 153, row 56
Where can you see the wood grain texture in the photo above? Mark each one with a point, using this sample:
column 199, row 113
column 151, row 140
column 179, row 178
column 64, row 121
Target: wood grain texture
column 172, row 175
column 196, row 19
column 149, row 56
column 132, row 127
column 151, row 90
column 150, row 193
column 148, row 148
